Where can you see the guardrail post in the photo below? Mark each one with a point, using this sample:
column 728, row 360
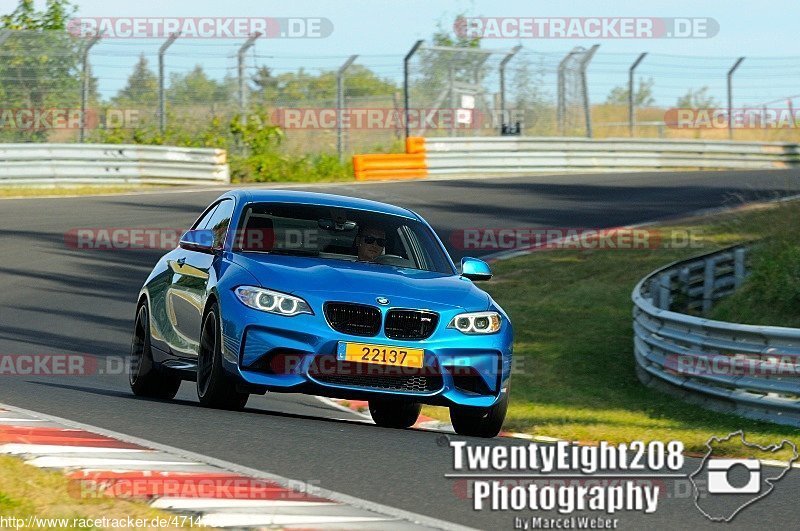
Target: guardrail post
column 85, row 90
column 738, row 267
column 340, row 105
column 510, row 55
column 406, row 61
column 162, row 98
column 631, row 100
column 708, row 283
column 240, row 74
column 730, row 96
column 664, row 295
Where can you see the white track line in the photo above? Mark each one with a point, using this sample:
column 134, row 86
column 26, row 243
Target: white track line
column 209, row 504
column 17, row 448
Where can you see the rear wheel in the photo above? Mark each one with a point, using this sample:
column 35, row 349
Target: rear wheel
column 214, row 387
column 144, row 377
column 479, row 422
column 393, row 413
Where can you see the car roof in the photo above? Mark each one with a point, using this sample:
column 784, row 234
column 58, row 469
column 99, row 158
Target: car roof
column 315, row 198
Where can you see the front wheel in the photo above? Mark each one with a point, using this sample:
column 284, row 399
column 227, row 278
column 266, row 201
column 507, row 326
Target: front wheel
column 144, row 377
column 393, row 413
column 479, row 422
column 214, row 387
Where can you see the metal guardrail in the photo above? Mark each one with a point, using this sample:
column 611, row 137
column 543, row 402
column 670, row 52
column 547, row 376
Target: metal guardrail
column 48, row 164
column 504, row 155
column 752, row 371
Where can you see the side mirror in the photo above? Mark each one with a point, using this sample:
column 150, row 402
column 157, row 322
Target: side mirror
column 200, row 240
column 475, row 269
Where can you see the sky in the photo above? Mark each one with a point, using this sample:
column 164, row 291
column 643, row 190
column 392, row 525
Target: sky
column 382, row 31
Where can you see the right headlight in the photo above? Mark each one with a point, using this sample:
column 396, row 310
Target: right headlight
column 477, row 323
column 270, row 301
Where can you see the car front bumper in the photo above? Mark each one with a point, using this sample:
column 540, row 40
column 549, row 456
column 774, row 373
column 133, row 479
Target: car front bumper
column 298, row 354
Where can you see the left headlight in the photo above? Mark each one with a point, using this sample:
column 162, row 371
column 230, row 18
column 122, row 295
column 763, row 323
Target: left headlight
column 477, row 323
column 270, row 301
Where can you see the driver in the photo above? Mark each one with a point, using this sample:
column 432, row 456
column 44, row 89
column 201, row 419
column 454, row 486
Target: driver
column 370, row 243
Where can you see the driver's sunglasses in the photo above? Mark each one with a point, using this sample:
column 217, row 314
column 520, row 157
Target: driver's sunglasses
column 369, row 240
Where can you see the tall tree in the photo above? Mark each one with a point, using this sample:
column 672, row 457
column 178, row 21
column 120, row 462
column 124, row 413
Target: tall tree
column 40, row 65
column 142, row 86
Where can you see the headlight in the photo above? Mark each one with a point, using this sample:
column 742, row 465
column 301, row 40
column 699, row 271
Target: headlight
column 476, row 323
column 272, row 301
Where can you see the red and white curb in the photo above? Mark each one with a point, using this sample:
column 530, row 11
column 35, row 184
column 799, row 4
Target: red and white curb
column 214, row 493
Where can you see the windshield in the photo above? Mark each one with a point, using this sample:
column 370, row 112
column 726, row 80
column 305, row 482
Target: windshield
column 334, row 233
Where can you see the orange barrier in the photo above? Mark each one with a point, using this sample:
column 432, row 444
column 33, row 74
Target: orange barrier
column 379, row 166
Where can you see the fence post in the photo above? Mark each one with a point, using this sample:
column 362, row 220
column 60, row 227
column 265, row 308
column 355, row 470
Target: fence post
column 340, row 105
column 730, row 96
column 510, row 55
column 587, row 111
column 406, row 61
column 240, row 73
column 85, row 89
column 162, row 99
column 631, row 100
column 4, row 35
column 561, row 106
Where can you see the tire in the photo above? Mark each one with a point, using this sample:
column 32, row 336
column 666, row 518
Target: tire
column 215, row 388
column 393, row 413
column 479, row 422
column 144, row 377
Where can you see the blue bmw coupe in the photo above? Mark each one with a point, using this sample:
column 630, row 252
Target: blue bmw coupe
column 321, row 294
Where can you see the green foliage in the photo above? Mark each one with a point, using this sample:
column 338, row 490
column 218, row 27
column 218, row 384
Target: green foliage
column 142, row 86
column 642, row 96
column 40, row 63
column 301, row 86
column 771, row 294
column 696, row 99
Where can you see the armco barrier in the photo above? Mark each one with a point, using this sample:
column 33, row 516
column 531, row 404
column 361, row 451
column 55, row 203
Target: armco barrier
column 748, row 370
column 49, row 164
column 521, row 155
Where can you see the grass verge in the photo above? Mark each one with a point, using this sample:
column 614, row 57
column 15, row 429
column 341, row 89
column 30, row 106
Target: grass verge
column 28, row 492
column 573, row 351
column 12, row 192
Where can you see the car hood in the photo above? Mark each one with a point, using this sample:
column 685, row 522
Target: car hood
column 299, row 275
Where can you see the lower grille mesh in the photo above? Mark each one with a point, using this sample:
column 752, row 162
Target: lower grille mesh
column 327, row 369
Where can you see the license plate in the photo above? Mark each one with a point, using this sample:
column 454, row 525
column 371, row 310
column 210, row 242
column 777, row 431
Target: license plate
column 381, row 354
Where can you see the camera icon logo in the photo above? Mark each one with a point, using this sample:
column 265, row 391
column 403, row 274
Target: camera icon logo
column 720, row 483
column 723, row 487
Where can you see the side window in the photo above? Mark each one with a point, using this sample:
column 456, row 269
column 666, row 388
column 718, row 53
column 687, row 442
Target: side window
column 219, row 221
column 201, row 223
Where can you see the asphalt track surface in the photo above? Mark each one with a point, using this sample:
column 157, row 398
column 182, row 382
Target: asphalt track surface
column 56, row 300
